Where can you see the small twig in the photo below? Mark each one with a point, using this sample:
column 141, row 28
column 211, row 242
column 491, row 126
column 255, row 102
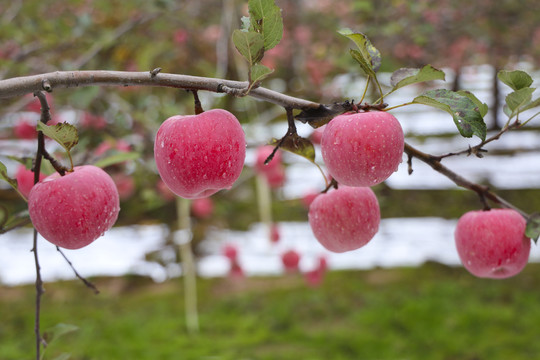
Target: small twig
column 291, row 130
column 478, row 149
column 45, row 117
column 84, row 280
column 61, row 169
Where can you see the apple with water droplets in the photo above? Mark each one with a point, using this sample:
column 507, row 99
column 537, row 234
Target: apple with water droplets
column 73, row 210
column 492, row 244
column 362, row 149
column 199, row 155
column 345, row 219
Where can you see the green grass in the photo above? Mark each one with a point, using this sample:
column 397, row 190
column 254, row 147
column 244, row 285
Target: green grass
column 432, row 312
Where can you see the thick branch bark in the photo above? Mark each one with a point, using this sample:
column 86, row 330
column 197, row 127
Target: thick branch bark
column 71, row 79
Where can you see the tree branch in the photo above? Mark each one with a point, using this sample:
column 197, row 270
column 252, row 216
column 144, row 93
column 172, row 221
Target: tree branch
column 482, row 191
column 70, row 79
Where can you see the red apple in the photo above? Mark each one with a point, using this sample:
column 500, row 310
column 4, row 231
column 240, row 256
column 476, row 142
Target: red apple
column 492, row 244
column 198, row 155
column 362, row 149
column 274, row 233
column 345, row 219
column 262, row 154
column 164, row 191
column 125, row 185
column 230, row 252
column 72, row 211
column 25, row 179
column 290, row 260
column 25, row 129
column 202, row 208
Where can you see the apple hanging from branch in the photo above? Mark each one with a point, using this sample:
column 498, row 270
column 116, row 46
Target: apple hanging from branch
column 198, row 155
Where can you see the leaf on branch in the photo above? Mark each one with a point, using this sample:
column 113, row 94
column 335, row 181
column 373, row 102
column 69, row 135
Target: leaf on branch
column 64, row 134
column 323, row 114
column 266, row 20
column 482, row 107
column 19, row 219
column 57, row 331
column 519, row 98
column 250, row 45
column 516, row 79
column 409, row 76
column 297, row 145
column 259, row 73
column 368, row 56
column 531, row 105
column 117, row 159
column 464, row 111
column 532, row 230
column 4, row 176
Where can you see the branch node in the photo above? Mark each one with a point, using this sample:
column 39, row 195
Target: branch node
column 46, row 85
column 154, row 72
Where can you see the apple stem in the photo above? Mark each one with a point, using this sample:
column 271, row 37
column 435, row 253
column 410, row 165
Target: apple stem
column 198, row 106
column 183, row 239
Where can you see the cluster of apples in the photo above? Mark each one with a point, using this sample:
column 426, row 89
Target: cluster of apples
column 199, row 155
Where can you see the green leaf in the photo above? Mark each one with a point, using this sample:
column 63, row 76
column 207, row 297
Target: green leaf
column 4, row 176
column 266, row 19
column 259, row 73
column 519, row 98
column 4, row 216
column 408, row 76
column 482, row 107
column 364, row 63
column 368, row 56
column 64, row 356
column 250, row 45
column 117, row 159
column 516, row 79
column 297, row 145
column 52, row 334
column 64, row 134
column 464, row 111
column 531, row 105
column 532, row 230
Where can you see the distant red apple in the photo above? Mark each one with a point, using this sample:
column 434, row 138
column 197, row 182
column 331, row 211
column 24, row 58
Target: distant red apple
column 25, row 179
column 262, row 154
column 290, row 260
column 274, row 233
column 25, row 129
column 125, row 185
column 202, row 208
column 230, row 252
